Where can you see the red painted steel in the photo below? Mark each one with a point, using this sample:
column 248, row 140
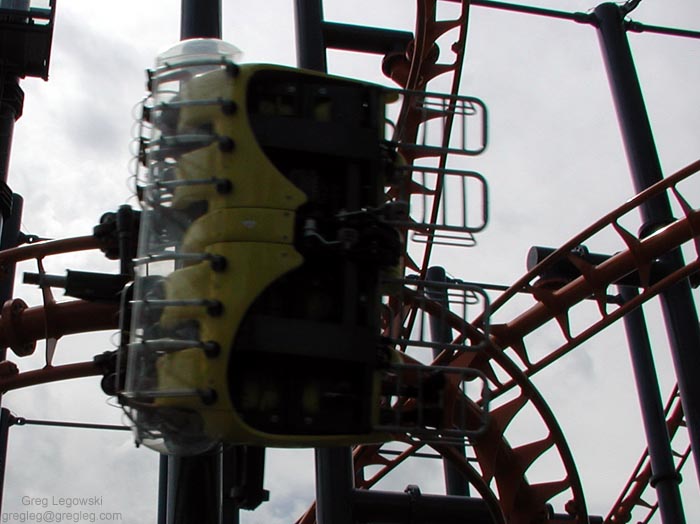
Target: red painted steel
column 50, row 374
column 500, row 473
column 67, row 318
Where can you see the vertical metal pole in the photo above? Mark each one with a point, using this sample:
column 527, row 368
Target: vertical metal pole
column 6, row 420
column 311, row 48
column 440, row 332
column 200, row 19
column 11, row 104
column 229, row 465
column 11, row 100
column 677, row 303
column 163, row 490
column 666, row 480
column 171, row 485
column 191, row 483
column 334, row 485
column 10, row 239
column 631, row 111
column 334, row 466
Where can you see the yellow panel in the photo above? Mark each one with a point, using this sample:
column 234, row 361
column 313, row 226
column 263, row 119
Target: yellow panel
column 240, row 225
column 256, row 182
column 252, row 227
column 184, row 369
column 251, row 268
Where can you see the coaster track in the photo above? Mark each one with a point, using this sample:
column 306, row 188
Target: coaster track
column 500, row 471
column 499, row 464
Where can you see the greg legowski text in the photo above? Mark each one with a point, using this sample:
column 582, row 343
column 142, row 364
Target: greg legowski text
column 58, row 509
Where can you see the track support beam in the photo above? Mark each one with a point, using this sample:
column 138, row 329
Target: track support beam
column 677, row 303
column 660, row 453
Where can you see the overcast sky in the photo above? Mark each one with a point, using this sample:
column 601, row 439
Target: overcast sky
column 555, row 164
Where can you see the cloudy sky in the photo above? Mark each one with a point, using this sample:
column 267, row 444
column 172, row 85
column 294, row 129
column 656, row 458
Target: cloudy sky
column 555, row 164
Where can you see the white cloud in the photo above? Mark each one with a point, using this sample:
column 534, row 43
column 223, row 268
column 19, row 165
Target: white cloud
column 554, row 165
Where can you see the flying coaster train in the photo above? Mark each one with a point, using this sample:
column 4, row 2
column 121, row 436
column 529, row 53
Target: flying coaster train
column 270, row 254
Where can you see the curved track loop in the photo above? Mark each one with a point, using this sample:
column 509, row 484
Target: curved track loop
column 554, row 302
column 504, row 471
column 22, row 326
column 501, row 467
column 500, row 463
column 520, row 501
column 554, row 305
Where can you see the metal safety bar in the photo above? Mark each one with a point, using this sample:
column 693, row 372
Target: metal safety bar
column 418, row 408
column 461, row 197
column 463, row 301
column 467, row 115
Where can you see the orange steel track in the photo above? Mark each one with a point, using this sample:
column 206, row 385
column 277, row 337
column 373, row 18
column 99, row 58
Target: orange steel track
column 520, row 502
column 500, row 465
column 22, row 326
column 499, row 474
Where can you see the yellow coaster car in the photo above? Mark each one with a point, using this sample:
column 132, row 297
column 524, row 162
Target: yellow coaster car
column 257, row 304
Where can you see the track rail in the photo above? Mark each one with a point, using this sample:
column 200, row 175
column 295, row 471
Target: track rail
column 500, row 471
column 519, row 501
column 499, row 464
column 554, row 303
column 415, row 74
column 22, row 326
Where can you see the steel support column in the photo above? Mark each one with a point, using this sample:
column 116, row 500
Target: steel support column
column 192, row 484
column 334, row 486
column 6, row 420
column 666, row 480
column 200, row 19
column 11, row 105
column 440, row 332
column 10, row 239
column 162, row 490
column 677, row 303
column 334, row 466
column 311, row 48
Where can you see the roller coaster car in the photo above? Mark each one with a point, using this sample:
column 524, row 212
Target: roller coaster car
column 257, row 305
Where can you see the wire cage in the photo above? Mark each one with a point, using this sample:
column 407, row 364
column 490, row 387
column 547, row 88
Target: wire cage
column 426, row 399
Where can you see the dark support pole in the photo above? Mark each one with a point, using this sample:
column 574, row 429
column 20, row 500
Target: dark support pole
column 631, row 112
column 665, row 479
column 6, row 420
column 170, row 494
column 311, row 49
column 440, row 332
column 334, row 486
column 677, row 303
column 192, row 489
column 230, row 465
column 10, row 239
column 163, row 490
column 200, row 19
column 192, row 483
column 334, row 466
column 11, row 104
